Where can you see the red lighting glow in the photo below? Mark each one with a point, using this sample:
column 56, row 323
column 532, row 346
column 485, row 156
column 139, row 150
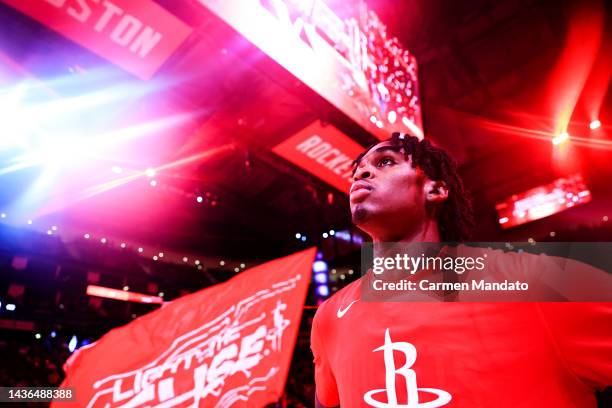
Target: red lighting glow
column 542, row 201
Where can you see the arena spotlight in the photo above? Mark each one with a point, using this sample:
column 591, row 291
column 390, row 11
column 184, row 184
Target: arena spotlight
column 150, row 172
column 323, row 291
column 319, row 266
column 595, row 124
column 10, row 307
column 298, row 235
column 72, row 344
column 199, row 199
column 560, row 138
column 320, row 278
column 392, row 117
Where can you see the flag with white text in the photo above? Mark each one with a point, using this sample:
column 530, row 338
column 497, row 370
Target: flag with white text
column 228, row 345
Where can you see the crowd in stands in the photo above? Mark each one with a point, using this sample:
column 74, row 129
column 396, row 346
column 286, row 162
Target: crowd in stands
column 48, row 291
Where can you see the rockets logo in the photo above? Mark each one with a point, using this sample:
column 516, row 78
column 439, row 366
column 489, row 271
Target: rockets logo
column 412, row 391
column 221, row 362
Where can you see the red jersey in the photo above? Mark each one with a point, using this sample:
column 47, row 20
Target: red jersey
column 419, row 354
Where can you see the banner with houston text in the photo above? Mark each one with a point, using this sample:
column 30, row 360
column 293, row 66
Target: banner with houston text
column 137, row 35
column 228, row 345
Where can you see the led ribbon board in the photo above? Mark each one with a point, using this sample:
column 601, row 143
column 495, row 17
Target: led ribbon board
column 109, row 293
column 542, row 201
column 349, row 62
column 137, row 35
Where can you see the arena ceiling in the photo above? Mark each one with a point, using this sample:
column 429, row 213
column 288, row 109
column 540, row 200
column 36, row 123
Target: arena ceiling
column 485, row 66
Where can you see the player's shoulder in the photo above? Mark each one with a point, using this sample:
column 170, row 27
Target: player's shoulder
column 341, row 298
column 506, row 259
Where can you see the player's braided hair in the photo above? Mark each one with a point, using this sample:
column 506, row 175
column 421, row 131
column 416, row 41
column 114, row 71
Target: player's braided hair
column 455, row 216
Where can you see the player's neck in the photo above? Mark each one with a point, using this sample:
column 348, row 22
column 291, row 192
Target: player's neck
column 427, row 231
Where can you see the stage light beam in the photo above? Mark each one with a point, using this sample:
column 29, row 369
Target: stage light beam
column 560, row 138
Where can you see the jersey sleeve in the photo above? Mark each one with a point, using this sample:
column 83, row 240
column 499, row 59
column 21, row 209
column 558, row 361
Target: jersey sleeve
column 582, row 334
column 326, row 388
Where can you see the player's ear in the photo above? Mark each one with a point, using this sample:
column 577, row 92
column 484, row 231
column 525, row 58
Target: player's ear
column 436, row 191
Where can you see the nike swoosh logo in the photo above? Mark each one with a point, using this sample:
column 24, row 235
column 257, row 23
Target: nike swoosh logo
column 343, row 312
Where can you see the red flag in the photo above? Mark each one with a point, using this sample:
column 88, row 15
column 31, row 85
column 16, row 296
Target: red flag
column 228, row 345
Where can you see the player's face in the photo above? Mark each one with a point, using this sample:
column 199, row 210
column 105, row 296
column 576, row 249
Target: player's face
column 388, row 194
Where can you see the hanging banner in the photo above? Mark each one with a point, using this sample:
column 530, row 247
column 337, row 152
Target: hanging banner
column 350, row 62
column 323, row 151
column 137, row 35
column 225, row 345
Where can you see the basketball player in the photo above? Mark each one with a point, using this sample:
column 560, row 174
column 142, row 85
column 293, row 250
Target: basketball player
column 433, row 354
